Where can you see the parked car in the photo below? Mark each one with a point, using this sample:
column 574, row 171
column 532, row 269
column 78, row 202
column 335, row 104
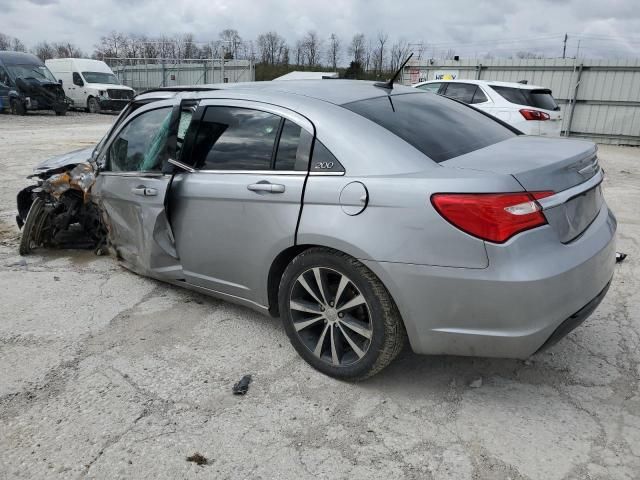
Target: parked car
column 27, row 84
column 91, row 84
column 529, row 108
column 360, row 215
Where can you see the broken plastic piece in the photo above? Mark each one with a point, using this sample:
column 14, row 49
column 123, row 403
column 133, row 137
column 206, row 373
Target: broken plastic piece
column 620, row 257
column 242, row 386
column 198, row 459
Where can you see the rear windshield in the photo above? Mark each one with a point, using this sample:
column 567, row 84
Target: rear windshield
column 437, row 126
column 532, row 98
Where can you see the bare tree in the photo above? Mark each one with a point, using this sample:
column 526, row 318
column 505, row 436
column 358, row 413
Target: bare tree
column 232, row 42
column 271, row 47
column 378, row 53
column 399, row 53
column 5, row 42
column 17, row 45
column 333, row 52
column 44, row 51
column 66, row 50
column 11, row 43
column 312, row 45
column 112, row 45
column 186, row 46
column 357, row 48
column 299, row 52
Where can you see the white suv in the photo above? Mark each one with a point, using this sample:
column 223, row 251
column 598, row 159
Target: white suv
column 529, row 108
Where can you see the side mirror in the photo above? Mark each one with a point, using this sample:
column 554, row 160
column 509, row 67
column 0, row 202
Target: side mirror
column 60, row 81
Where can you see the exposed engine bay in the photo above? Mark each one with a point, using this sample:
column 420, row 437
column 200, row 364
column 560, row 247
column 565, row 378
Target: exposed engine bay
column 58, row 211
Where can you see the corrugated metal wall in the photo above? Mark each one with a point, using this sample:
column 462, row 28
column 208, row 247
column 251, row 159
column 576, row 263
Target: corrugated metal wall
column 600, row 98
column 141, row 76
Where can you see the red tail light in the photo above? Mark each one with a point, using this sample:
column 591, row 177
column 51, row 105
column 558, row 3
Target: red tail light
column 495, row 217
column 534, row 114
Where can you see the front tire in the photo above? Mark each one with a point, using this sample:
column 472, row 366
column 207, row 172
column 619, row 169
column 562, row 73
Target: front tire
column 338, row 315
column 93, row 106
column 18, row 108
column 33, row 227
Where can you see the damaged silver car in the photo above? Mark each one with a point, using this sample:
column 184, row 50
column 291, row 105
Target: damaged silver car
column 362, row 214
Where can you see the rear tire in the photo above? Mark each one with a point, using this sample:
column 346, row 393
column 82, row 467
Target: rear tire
column 349, row 328
column 93, row 106
column 61, row 113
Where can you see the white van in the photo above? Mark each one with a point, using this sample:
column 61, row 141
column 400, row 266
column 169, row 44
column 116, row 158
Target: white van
column 91, row 84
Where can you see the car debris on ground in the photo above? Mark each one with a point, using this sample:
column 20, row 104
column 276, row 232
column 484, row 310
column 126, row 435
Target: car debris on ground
column 198, row 459
column 242, row 387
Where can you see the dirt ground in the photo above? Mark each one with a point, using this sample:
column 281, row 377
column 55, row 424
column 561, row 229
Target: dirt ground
column 104, row 374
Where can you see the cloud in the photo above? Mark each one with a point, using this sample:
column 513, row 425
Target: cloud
column 469, row 27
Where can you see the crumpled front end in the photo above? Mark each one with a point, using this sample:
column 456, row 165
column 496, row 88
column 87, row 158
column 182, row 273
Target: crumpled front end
column 58, row 211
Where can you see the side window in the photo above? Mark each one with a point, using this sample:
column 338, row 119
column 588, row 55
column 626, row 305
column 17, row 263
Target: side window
column 231, row 138
column 77, row 79
column 430, row 87
column 186, row 114
column 479, row 96
column 294, row 147
column 460, row 91
column 141, row 145
column 323, row 160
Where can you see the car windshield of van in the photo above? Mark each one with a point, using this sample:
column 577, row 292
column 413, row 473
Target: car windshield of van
column 31, row 71
column 100, row 77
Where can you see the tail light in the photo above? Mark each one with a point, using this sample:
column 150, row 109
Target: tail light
column 534, row 114
column 495, row 217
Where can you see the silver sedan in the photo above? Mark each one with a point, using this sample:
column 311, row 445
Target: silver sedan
column 363, row 216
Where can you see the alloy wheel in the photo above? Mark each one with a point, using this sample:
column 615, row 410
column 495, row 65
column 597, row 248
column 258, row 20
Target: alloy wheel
column 331, row 316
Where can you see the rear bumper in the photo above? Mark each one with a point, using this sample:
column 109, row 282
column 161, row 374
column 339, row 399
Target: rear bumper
column 511, row 308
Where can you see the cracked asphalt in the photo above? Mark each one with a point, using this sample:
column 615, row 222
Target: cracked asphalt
column 105, row 374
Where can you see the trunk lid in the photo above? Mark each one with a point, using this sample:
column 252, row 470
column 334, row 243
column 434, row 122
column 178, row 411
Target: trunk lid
column 569, row 168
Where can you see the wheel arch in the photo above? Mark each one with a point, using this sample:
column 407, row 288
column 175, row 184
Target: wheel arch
column 285, row 257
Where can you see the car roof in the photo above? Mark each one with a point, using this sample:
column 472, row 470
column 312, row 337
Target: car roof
column 19, row 58
column 338, row 92
column 490, row 83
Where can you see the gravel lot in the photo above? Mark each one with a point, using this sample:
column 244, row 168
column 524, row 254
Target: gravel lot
column 104, row 374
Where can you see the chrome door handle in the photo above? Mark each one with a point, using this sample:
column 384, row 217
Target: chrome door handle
column 144, row 191
column 266, row 187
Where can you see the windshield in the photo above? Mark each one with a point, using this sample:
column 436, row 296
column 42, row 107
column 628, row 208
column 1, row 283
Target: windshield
column 31, row 71
column 100, row 77
column 437, row 126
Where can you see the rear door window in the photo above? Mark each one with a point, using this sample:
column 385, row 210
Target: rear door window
column 460, row 91
column 438, row 127
column 479, row 96
column 540, row 98
column 294, row 146
column 231, row 138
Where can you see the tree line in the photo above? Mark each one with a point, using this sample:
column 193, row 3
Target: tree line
column 370, row 57
column 375, row 55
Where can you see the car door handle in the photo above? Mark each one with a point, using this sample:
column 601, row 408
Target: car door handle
column 144, row 191
column 266, row 187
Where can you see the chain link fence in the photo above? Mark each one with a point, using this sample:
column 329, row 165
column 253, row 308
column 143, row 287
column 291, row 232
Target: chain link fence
column 143, row 74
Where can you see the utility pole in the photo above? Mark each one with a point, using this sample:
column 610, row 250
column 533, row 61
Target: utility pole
column 564, row 48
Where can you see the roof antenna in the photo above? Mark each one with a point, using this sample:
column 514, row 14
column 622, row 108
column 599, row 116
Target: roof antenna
column 389, row 85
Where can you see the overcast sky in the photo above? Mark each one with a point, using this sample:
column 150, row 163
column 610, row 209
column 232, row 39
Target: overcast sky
column 469, row 27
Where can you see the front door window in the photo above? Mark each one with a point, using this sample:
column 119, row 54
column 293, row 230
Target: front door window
column 141, row 146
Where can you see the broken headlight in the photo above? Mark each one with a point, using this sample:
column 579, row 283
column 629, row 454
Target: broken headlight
column 83, row 176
